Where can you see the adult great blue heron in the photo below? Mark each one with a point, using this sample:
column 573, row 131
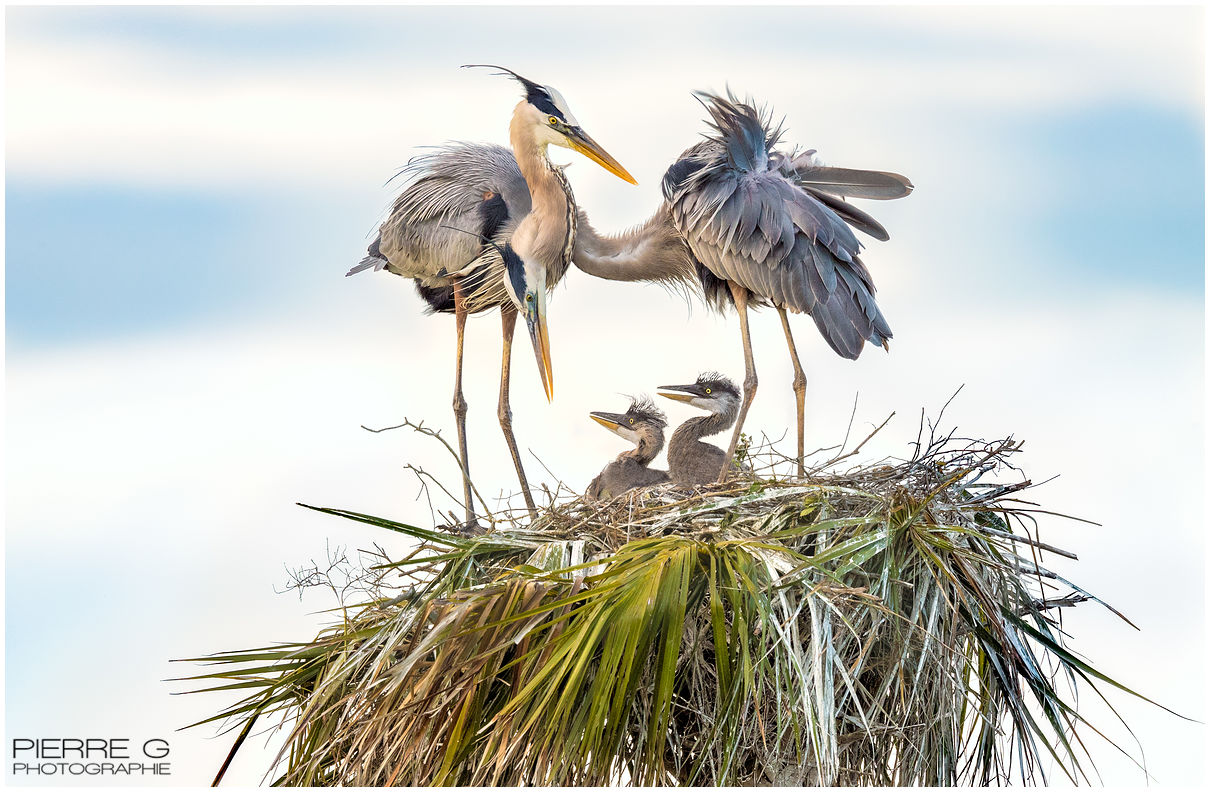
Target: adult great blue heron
column 755, row 226
column 481, row 227
column 643, row 425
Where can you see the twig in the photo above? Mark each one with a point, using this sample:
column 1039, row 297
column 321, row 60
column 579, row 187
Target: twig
column 424, row 490
column 947, row 401
column 421, row 473
column 1039, row 605
column 1029, row 541
column 436, row 434
column 852, row 415
column 860, row 445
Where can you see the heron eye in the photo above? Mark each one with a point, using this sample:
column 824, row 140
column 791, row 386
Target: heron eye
column 707, row 390
column 553, row 121
column 632, row 420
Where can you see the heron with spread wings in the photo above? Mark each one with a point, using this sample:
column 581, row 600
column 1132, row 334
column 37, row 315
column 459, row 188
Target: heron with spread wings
column 481, row 227
column 750, row 225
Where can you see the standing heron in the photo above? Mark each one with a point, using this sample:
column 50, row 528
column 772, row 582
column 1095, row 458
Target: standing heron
column 692, row 462
column 643, row 425
column 754, row 226
column 480, row 227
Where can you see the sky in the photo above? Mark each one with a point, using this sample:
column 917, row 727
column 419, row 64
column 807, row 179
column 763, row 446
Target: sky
column 185, row 188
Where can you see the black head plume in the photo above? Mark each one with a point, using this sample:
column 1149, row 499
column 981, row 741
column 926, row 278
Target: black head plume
column 537, row 95
column 643, row 409
column 717, row 383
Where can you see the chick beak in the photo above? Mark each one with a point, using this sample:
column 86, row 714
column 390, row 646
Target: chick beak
column 579, row 141
column 610, row 421
column 683, row 393
column 535, row 318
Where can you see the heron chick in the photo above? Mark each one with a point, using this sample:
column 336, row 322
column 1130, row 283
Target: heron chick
column 692, row 462
column 643, row 424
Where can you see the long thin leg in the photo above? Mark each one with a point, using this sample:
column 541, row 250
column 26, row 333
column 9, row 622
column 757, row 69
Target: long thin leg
column 800, row 386
column 460, row 403
column 508, row 322
column 741, row 306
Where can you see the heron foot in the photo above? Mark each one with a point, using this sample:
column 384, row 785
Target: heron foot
column 470, row 527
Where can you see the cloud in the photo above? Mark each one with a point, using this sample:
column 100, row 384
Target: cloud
column 135, row 110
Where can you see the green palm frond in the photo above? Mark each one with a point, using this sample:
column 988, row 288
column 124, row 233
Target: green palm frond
column 892, row 625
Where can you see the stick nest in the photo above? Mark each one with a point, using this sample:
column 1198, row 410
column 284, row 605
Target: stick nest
column 889, row 624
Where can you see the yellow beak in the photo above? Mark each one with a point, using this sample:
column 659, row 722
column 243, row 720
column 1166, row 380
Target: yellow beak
column 681, row 397
column 579, row 141
column 541, row 341
column 608, row 424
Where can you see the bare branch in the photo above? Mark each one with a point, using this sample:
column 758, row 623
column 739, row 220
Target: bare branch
column 436, row 435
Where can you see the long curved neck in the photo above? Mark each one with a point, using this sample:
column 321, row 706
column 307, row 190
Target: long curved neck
column 648, row 449
column 703, row 426
column 547, row 233
column 653, row 251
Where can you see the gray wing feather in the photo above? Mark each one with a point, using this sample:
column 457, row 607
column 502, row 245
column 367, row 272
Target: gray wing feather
column 876, row 185
column 434, row 225
column 369, row 262
column 783, row 231
column 851, row 214
column 824, row 266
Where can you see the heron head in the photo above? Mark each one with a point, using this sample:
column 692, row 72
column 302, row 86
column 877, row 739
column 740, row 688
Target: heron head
column 546, row 114
column 712, row 392
column 526, row 286
column 643, row 420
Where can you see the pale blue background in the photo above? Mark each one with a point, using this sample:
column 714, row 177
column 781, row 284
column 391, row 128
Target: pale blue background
column 186, row 187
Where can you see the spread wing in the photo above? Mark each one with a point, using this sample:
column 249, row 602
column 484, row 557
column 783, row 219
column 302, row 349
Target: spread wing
column 778, row 225
column 457, row 197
